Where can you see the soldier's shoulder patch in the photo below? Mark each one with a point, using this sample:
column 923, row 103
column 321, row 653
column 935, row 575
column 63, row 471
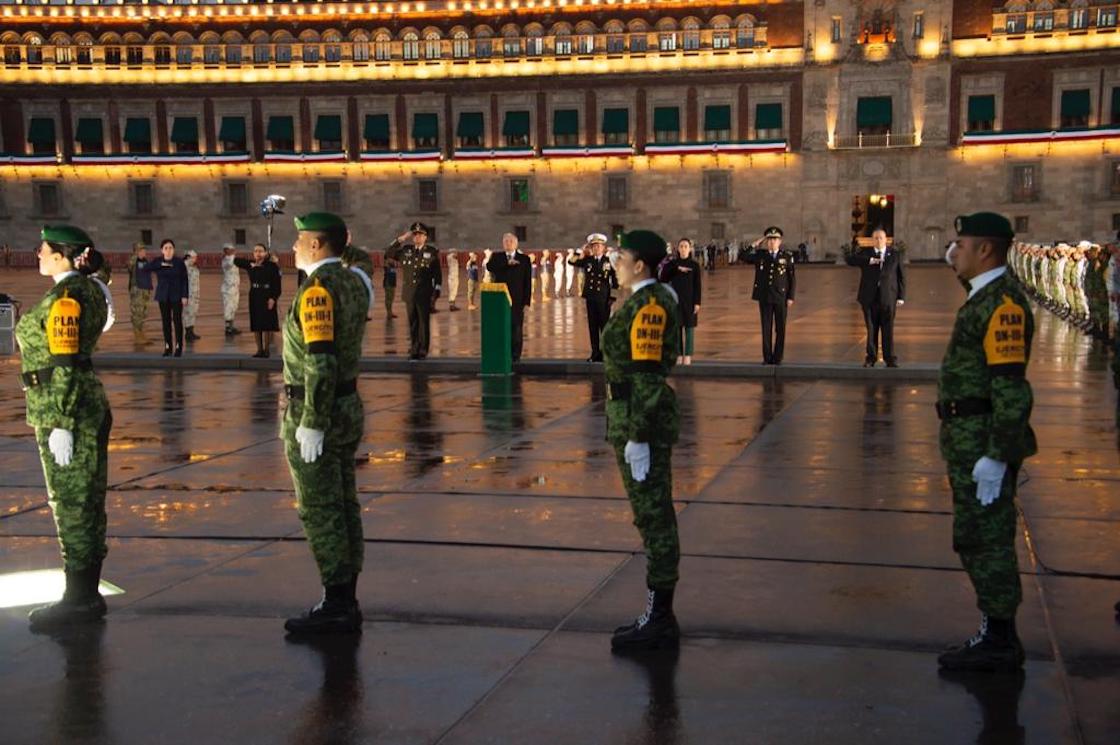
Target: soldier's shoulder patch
column 62, row 325
column 647, row 331
column 1005, row 342
column 316, row 314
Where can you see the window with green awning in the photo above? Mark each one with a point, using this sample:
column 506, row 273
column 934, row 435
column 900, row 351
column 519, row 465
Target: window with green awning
column 138, row 135
column 470, row 129
column 768, row 119
column 981, row 113
column 425, row 130
column 666, row 124
column 232, row 132
column 874, row 115
column 717, row 123
column 40, row 131
column 1075, row 109
column 616, row 126
column 328, row 131
column 565, row 127
column 184, row 130
column 281, row 133
column 89, row 134
column 515, row 128
column 376, row 131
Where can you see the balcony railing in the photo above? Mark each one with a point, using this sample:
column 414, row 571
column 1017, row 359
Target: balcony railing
column 875, row 142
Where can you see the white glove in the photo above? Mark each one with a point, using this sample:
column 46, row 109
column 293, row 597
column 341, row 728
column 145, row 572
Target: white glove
column 637, row 455
column 310, row 443
column 988, row 475
column 61, row 443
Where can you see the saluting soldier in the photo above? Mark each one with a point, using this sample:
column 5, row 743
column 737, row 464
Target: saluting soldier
column 421, row 277
column 139, row 292
column 323, row 422
column 774, row 286
column 643, row 422
column 69, row 411
column 984, row 402
column 599, row 280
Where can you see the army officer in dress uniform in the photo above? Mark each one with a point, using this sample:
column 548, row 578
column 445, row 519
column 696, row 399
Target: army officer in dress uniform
column 599, row 280
column 421, row 278
column 774, row 287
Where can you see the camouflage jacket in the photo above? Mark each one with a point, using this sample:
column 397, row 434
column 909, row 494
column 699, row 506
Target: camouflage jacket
column 61, row 330
column 987, row 359
column 639, row 349
column 323, row 339
column 358, row 260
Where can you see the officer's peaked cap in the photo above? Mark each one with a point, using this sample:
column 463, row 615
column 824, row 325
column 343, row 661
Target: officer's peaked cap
column 773, row 232
column 418, row 227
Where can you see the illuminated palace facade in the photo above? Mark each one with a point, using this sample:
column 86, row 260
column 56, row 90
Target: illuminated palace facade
column 553, row 118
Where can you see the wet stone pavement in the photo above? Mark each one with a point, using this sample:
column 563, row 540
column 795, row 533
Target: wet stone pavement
column 818, row 581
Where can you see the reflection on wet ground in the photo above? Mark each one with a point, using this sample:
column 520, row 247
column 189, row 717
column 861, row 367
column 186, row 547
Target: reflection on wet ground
column 818, row 579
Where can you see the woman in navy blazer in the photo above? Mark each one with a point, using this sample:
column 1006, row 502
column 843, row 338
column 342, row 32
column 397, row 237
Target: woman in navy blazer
column 172, row 292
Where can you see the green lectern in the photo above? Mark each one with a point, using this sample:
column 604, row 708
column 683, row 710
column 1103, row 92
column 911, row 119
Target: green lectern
column 497, row 353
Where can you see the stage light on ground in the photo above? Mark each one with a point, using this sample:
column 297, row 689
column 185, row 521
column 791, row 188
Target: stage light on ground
column 40, row 586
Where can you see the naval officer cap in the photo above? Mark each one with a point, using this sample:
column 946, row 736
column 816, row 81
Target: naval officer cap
column 984, row 225
column 418, row 227
column 596, row 238
column 68, row 234
column 647, row 245
column 320, row 222
column 773, row 232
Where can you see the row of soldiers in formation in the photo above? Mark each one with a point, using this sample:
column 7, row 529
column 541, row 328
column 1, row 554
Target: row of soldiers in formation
column 984, row 402
column 1080, row 282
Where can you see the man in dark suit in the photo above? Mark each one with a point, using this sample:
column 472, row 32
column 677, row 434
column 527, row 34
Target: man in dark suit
column 882, row 289
column 599, row 280
column 774, row 286
column 512, row 268
column 421, row 277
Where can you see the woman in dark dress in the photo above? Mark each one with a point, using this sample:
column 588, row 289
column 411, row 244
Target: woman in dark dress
column 172, row 293
column 683, row 274
column 264, row 293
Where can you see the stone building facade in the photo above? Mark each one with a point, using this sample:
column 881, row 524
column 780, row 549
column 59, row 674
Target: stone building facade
column 553, row 118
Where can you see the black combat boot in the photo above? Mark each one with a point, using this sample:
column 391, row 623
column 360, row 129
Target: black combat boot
column 995, row 648
column 191, row 335
column 80, row 604
column 654, row 629
column 336, row 613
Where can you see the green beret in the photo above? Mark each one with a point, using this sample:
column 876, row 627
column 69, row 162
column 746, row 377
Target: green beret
column 984, row 225
column 68, row 234
column 320, row 222
column 646, row 245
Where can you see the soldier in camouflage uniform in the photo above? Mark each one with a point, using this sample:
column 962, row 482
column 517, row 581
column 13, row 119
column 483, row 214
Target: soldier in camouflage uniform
column 70, row 413
column 984, row 402
column 194, row 281
column 139, row 292
column 323, row 422
column 643, row 421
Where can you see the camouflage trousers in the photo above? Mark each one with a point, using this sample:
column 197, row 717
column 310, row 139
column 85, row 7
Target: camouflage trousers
column 76, row 493
column 652, row 504
column 984, row 539
column 326, row 491
column 138, row 302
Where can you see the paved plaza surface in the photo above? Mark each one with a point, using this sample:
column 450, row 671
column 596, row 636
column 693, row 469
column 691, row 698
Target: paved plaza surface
column 818, row 580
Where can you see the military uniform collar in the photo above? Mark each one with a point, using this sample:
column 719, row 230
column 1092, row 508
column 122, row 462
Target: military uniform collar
column 314, row 267
column 981, row 281
column 644, row 283
column 60, row 278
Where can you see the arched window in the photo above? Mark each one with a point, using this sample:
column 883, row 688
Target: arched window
column 534, row 41
column 460, row 44
column 691, row 34
column 432, row 49
column 511, row 42
column 411, row 46
column 563, row 42
column 744, row 33
column 360, row 49
column 332, row 47
column 483, row 42
column 382, row 47
column 85, row 50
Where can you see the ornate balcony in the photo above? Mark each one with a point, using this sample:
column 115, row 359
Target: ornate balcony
column 875, row 142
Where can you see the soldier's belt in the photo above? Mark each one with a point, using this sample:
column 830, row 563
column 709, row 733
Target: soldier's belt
column 963, row 407
column 43, row 375
column 616, row 391
column 344, row 388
